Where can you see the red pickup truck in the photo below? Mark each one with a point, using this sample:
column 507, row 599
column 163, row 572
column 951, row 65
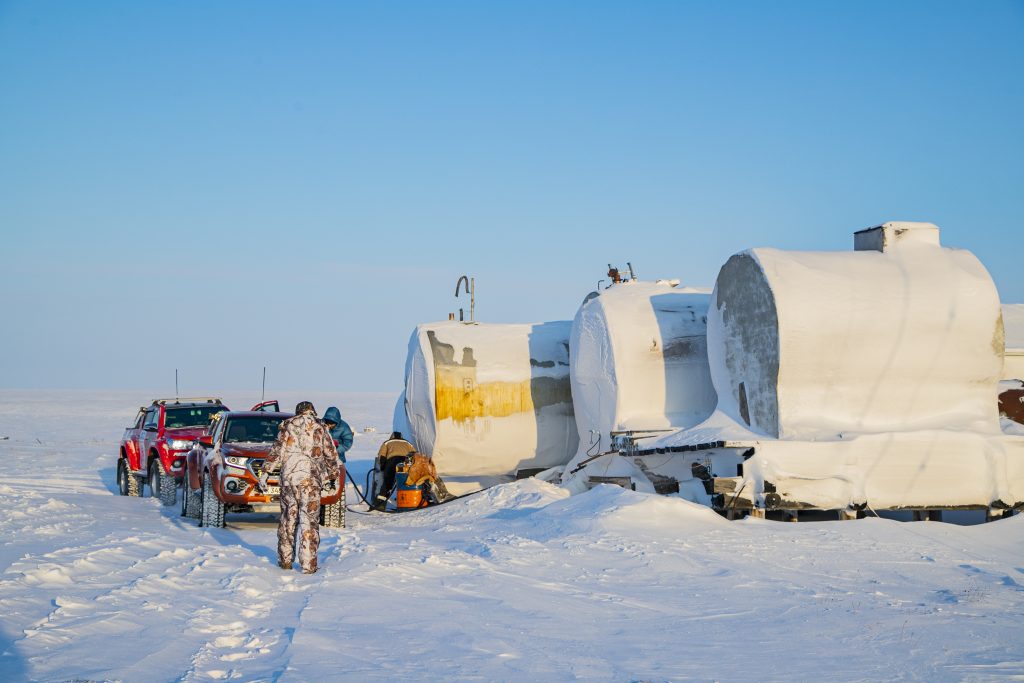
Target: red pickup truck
column 222, row 471
column 153, row 449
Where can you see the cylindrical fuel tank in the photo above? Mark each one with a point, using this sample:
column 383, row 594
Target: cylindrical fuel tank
column 901, row 334
column 489, row 399
column 638, row 357
column 1013, row 360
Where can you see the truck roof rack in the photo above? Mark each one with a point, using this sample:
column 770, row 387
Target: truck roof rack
column 184, row 399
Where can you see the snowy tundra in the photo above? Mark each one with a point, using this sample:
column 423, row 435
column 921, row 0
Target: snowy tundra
column 521, row 582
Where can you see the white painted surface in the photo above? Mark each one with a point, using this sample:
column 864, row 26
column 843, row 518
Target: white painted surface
column 1013, row 322
column 1013, row 365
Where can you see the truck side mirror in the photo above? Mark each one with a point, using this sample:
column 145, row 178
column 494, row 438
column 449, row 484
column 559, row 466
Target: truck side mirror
column 206, row 440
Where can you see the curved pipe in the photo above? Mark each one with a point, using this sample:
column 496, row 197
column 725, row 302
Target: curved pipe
column 459, row 283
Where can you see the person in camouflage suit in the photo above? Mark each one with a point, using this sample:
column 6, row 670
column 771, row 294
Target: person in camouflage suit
column 305, row 455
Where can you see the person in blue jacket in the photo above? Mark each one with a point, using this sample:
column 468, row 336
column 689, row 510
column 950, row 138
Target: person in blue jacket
column 340, row 431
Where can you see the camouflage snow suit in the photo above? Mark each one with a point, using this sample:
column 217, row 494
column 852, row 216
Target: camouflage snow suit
column 304, row 453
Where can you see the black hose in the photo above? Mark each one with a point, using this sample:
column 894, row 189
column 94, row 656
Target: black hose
column 366, row 483
column 367, row 503
column 356, row 487
column 359, row 493
column 471, row 493
column 411, row 510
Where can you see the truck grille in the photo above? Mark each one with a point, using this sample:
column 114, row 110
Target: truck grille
column 256, row 468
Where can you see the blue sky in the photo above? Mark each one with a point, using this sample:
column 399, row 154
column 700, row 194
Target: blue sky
column 222, row 186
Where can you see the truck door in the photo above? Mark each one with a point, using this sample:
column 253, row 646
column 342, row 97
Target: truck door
column 134, row 432
column 150, row 430
column 211, row 456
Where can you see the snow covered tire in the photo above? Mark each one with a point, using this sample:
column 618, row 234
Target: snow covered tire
column 161, row 485
column 212, row 508
column 333, row 515
column 190, row 501
column 127, row 484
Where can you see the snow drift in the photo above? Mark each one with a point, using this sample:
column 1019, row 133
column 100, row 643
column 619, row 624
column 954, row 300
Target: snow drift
column 487, row 400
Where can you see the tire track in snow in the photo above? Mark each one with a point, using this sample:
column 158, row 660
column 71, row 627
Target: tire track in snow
column 91, row 612
column 109, row 590
column 104, row 595
column 254, row 643
column 236, row 635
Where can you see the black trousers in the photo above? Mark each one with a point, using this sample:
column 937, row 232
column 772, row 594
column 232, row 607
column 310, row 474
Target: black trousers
column 387, row 467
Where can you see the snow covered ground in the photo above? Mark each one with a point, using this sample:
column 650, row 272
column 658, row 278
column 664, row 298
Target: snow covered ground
column 521, row 582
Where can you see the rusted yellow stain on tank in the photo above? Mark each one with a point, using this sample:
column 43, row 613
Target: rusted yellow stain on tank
column 999, row 337
column 458, row 396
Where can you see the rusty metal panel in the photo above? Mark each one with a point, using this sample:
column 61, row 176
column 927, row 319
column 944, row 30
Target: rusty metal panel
column 1011, row 405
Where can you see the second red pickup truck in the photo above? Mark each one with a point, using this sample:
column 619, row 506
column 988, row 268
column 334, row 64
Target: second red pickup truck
column 223, row 468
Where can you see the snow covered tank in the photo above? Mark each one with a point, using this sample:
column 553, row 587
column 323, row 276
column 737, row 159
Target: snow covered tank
column 639, row 364
column 900, row 334
column 1013, row 321
column 853, row 380
column 1011, row 389
column 488, row 400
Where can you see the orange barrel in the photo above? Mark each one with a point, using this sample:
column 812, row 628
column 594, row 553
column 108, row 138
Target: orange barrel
column 407, row 497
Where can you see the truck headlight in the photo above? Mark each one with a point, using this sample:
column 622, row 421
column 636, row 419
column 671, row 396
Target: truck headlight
column 235, row 485
column 235, row 460
column 180, row 444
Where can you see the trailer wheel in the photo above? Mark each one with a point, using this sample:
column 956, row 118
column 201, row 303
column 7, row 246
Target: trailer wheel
column 333, row 515
column 212, row 512
column 161, row 485
column 127, row 484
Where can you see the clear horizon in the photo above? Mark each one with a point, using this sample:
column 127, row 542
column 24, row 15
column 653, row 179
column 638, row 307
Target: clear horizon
column 222, row 187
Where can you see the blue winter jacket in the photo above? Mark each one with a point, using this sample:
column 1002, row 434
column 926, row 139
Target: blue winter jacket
column 341, row 433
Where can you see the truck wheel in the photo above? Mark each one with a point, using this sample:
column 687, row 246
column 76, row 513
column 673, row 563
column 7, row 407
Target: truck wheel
column 333, row 515
column 189, row 500
column 212, row 513
column 161, row 485
column 127, row 484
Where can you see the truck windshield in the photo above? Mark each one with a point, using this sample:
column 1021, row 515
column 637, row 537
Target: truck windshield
column 252, row 429
column 195, row 416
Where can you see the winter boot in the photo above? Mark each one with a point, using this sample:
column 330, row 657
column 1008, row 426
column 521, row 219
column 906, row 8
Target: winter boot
column 440, row 491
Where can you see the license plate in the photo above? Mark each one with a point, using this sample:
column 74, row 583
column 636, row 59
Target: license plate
column 273, row 490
